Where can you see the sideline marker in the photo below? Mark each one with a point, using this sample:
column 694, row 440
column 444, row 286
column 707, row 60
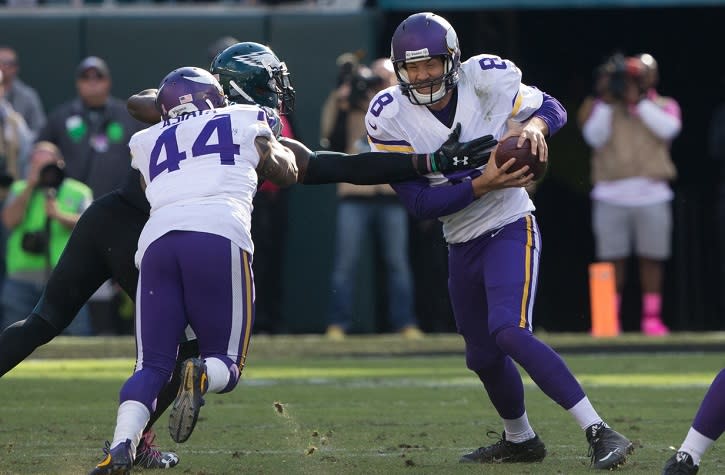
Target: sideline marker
column 603, row 297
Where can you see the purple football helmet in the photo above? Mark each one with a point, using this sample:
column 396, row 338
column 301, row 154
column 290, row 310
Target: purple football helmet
column 188, row 89
column 421, row 37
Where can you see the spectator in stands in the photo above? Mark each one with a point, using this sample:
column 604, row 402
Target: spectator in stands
column 15, row 139
column 367, row 210
column 332, row 128
column 630, row 127
column 15, row 142
column 92, row 132
column 23, row 98
column 40, row 214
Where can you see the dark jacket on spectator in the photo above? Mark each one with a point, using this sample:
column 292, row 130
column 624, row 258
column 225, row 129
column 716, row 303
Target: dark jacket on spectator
column 94, row 142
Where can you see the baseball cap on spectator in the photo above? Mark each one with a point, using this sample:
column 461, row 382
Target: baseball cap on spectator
column 95, row 63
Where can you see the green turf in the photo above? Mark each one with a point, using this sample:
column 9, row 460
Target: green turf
column 347, row 414
column 316, row 345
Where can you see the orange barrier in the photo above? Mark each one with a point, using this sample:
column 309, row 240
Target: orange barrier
column 603, row 297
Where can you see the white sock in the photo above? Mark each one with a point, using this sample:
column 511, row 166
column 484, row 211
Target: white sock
column 217, row 373
column 131, row 419
column 584, row 413
column 696, row 444
column 518, row 430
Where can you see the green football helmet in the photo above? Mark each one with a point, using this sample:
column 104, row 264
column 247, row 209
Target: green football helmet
column 250, row 73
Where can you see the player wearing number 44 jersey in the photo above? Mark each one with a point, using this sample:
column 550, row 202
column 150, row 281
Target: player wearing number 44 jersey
column 201, row 165
column 488, row 222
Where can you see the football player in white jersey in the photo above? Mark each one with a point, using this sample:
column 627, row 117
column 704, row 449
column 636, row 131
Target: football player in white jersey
column 201, row 165
column 488, row 222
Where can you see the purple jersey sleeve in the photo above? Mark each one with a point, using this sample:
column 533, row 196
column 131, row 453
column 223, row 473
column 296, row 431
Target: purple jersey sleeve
column 426, row 202
column 551, row 112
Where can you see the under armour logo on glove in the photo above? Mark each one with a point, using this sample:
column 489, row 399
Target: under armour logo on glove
column 460, row 161
column 455, row 155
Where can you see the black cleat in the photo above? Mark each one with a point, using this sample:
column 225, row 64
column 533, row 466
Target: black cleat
column 189, row 399
column 608, row 448
column 118, row 460
column 680, row 464
column 503, row 451
column 148, row 456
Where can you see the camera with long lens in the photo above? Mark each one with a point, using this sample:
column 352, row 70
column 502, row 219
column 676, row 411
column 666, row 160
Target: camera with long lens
column 621, row 72
column 51, row 176
column 362, row 86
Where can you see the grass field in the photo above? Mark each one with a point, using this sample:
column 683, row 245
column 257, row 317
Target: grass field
column 365, row 406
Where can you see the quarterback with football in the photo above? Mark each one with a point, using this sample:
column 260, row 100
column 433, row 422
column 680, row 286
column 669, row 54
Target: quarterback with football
column 488, row 222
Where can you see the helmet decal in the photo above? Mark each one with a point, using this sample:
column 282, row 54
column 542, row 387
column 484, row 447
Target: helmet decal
column 420, row 54
column 452, row 40
column 203, row 79
column 259, row 58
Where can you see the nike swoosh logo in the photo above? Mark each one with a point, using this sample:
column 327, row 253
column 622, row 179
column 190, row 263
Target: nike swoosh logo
column 613, row 452
column 372, row 126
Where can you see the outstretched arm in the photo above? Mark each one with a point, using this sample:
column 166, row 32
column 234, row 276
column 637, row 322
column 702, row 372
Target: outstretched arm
column 317, row 168
column 142, row 106
column 372, row 168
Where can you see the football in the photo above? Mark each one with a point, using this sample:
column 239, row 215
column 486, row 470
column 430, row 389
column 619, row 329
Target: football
column 506, row 149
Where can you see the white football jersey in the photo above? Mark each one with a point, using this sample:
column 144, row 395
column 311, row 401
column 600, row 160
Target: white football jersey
column 490, row 92
column 200, row 173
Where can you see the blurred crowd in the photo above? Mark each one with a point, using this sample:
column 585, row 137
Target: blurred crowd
column 51, row 168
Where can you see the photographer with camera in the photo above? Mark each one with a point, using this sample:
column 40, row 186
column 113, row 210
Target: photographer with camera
column 630, row 127
column 39, row 214
column 372, row 211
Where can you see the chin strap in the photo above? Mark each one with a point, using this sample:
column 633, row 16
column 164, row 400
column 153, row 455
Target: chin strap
column 427, row 99
column 241, row 92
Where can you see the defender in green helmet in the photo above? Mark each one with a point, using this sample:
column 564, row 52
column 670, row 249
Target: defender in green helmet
column 251, row 73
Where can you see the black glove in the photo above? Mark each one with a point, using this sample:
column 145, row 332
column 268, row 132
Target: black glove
column 454, row 155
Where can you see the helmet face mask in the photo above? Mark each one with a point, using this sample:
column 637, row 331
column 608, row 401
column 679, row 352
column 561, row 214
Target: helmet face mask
column 186, row 90
column 421, row 37
column 250, row 73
